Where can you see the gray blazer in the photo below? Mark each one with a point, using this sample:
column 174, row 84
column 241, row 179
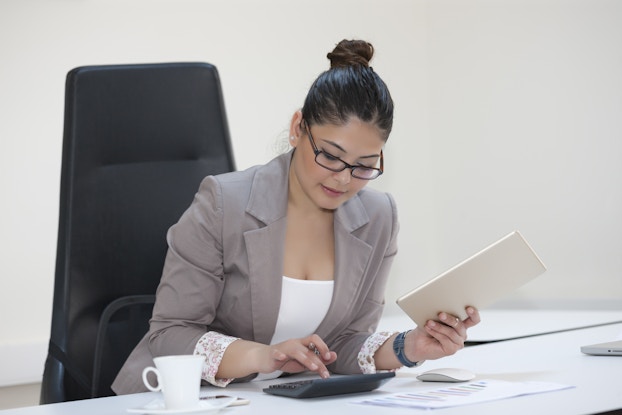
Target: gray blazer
column 223, row 269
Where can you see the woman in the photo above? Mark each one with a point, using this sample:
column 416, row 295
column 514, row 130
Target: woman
column 283, row 267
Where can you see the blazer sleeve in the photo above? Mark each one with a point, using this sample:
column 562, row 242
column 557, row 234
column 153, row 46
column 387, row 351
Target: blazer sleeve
column 193, row 278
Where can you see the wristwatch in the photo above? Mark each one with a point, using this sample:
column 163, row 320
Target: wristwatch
column 398, row 348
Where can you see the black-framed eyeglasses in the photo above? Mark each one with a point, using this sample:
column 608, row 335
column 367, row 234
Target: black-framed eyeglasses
column 333, row 163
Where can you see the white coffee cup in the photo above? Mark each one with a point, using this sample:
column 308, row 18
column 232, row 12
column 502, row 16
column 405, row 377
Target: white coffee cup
column 179, row 380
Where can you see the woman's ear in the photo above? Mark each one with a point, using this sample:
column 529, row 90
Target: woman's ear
column 295, row 128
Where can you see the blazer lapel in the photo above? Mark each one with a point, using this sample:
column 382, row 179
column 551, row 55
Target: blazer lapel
column 268, row 204
column 265, row 261
column 351, row 258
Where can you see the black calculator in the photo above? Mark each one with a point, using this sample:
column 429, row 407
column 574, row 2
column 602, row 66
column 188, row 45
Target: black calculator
column 337, row 385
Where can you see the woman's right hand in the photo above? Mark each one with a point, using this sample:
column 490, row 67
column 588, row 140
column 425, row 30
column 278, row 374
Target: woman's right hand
column 244, row 357
column 299, row 355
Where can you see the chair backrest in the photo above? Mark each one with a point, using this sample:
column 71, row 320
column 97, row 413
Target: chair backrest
column 137, row 141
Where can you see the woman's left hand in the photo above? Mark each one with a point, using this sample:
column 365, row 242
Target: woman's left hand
column 439, row 338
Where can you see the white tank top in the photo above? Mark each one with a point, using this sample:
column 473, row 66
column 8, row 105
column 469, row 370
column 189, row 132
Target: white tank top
column 304, row 304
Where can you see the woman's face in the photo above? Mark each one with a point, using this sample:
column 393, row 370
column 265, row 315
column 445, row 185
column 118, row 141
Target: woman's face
column 357, row 143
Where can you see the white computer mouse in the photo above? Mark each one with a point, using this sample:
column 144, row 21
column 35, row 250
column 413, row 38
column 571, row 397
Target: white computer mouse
column 446, row 375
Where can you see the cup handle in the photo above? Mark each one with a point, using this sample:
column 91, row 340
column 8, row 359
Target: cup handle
column 146, row 381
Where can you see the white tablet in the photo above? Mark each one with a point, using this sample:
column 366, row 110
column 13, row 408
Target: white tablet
column 477, row 281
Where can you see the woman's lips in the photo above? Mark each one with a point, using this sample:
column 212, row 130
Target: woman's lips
column 332, row 192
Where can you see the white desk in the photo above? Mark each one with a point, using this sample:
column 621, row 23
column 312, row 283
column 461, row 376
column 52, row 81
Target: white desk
column 550, row 358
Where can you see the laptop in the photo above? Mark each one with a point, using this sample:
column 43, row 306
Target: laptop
column 478, row 281
column 613, row 348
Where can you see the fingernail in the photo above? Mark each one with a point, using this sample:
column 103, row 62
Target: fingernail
column 325, row 374
column 431, row 323
column 313, row 366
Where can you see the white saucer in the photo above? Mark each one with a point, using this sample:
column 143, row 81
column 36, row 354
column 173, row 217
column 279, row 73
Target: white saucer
column 156, row 407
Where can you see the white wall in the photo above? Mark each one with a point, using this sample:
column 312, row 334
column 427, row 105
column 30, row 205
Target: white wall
column 525, row 104
column 508, row 117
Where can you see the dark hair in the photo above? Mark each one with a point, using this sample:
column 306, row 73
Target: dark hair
column 350, row 88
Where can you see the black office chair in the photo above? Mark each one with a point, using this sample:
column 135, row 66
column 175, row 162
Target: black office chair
column 138, row 139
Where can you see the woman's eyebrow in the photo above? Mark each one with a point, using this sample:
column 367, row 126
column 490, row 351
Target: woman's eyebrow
column 337, row 146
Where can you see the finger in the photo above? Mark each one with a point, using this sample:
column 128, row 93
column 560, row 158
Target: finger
column 454, row 323
column 314, row 349
column 449, row 338
column 298, row 354
column 327, row 358
column 474, row 317
column 448, row 319
column 284, row 362
column 278, row 355
column 307, row 357
column 319, row 347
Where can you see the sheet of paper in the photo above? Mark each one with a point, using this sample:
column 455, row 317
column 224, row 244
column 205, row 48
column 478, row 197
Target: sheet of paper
column 459, row 394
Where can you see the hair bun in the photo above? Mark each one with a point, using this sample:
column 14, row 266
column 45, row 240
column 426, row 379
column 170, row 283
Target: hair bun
column 351, row 53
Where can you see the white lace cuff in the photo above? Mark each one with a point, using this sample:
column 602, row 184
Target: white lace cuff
column 212, row 346
column 365, row 357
